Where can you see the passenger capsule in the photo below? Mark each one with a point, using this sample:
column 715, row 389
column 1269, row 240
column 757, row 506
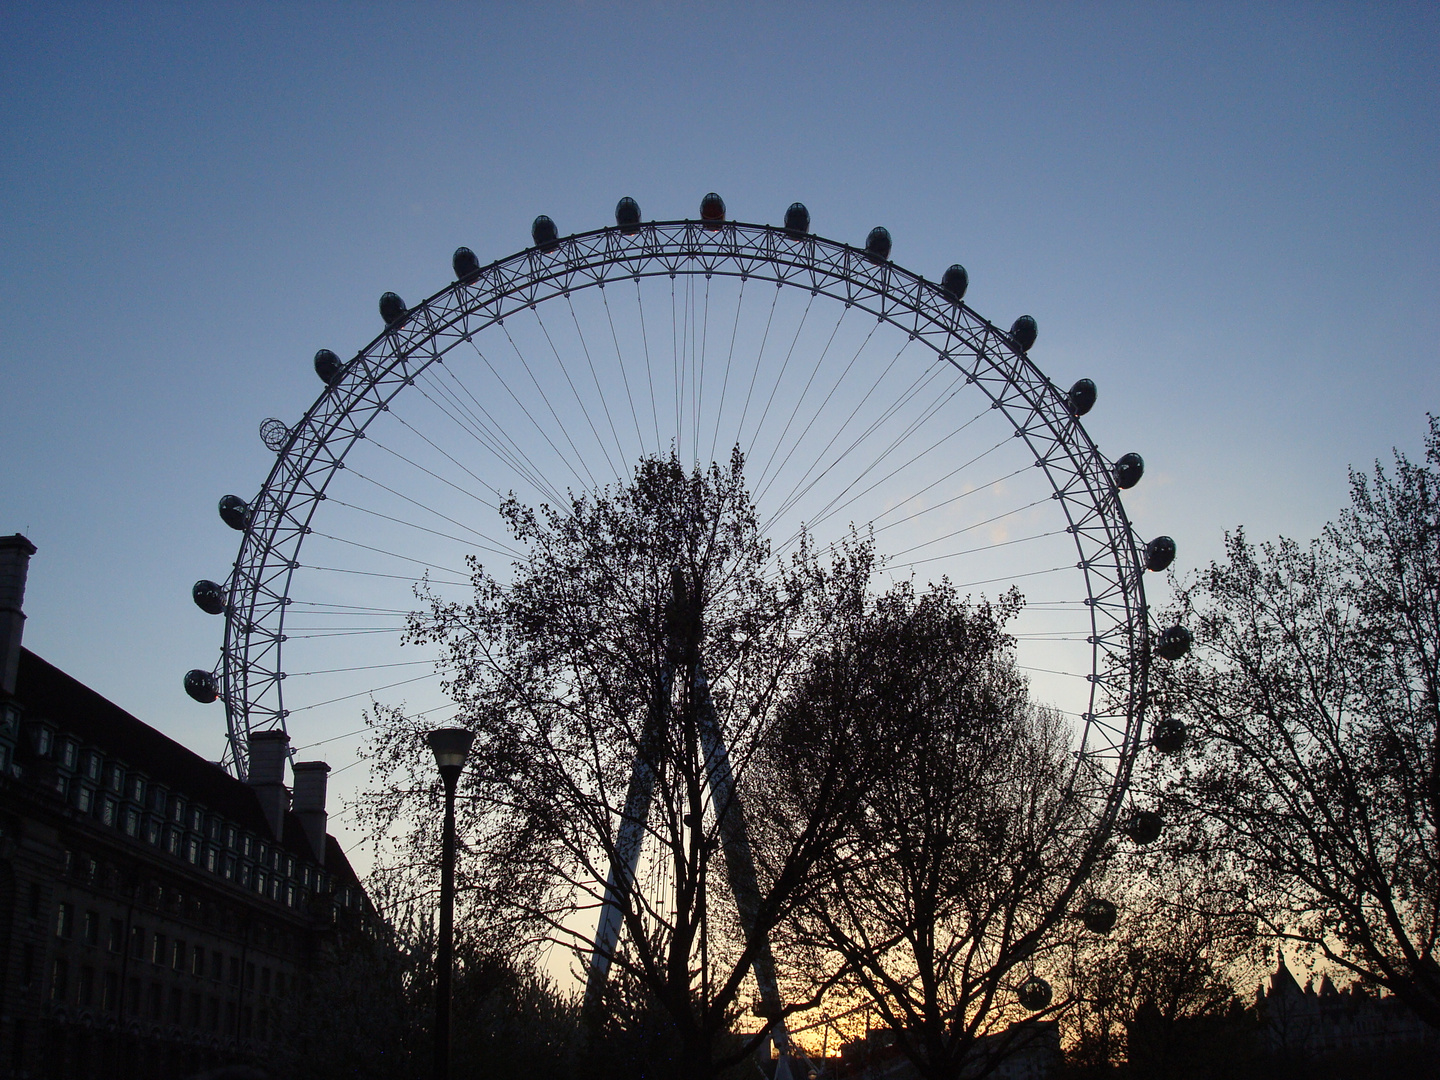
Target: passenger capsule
column 712, row 209
column 1128, row 471
column 1024, row 330
column 797, row 219
column 544, row 233
column 877, row 244
column 1034, row 993
column 392, row 308
column 209, row 597
column 1159, row 553
column 1143, row 827
column 328, row 367
column 466, row 264
column 1169, row 735
column 1081, row 398
column 1098, row 916
column 955, row 281
column 201, row 686
column 235, row 512
column 1173, row 642
column 627, row 215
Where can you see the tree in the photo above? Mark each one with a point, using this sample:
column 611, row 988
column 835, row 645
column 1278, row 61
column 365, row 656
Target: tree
column 1170, row 963
column 621, row 683
column 964, row 852
column 1313, row 702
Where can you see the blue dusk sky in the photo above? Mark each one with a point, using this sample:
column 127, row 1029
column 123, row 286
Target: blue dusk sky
column 1228, row 215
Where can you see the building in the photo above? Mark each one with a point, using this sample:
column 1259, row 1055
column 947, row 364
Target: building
column 157, row 915
column 1319, row 1021
column 1024, row 1050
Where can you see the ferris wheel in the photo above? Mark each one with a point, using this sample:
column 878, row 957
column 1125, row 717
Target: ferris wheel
column 863, row 397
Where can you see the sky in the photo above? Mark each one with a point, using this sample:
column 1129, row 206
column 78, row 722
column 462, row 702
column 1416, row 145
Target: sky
column 1227, row 215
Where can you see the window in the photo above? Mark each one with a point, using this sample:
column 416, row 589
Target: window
column 137, row 789
column 132, row 996
column 192, row 850
column 214, row 1014
column 152, row 830
column 65, row 921
column 110, row 991
column 195, row 1010
column 107, row 811
column 177, row 955
column 177, row 1000
column 158, row 952
column 260, row 883
column 59, row 979
column 230, row 837
column 154, row 1000
column 212, row 859
column 217, row 964
column 115, row 778
column 249, row 976
column 92, row 765
column 137, row 942
column 90, row 931
column 172, row 841
column 84, row 798
column 116, row 940
column 234, row 971
column 87, row 987
column 27, row 966
column 197, row 961
column 197, row 819
column 132, row 821
column 44, row 741
column 60, row 787
column 68, row 754
column 177, row 809
column 229, row 867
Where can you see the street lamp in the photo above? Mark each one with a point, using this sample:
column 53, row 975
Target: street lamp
column 450, row 746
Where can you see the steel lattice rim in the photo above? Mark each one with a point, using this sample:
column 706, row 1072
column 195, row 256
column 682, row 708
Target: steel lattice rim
column 1110, row 556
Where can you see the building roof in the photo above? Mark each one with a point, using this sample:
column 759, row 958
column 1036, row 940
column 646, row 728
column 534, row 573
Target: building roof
column 47, row 693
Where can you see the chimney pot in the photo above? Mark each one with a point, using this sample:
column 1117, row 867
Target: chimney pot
column 310, row 782
column 266, row 775
column 15, row 552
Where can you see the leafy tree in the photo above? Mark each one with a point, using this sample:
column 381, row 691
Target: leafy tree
column 1313, row 701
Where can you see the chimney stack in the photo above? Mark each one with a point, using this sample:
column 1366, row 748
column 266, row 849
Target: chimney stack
column 310, row 778
column 15, row 552
column 268, row 750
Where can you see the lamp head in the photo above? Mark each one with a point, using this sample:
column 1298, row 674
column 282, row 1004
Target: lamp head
column 450, row 745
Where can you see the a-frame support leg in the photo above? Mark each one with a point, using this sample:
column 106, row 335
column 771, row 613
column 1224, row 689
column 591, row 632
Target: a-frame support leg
column 740, row 864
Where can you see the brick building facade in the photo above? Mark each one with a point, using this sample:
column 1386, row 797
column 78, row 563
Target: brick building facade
column 157, row 915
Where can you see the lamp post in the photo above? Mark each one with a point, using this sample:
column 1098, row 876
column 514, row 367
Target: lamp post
column 450, row 746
